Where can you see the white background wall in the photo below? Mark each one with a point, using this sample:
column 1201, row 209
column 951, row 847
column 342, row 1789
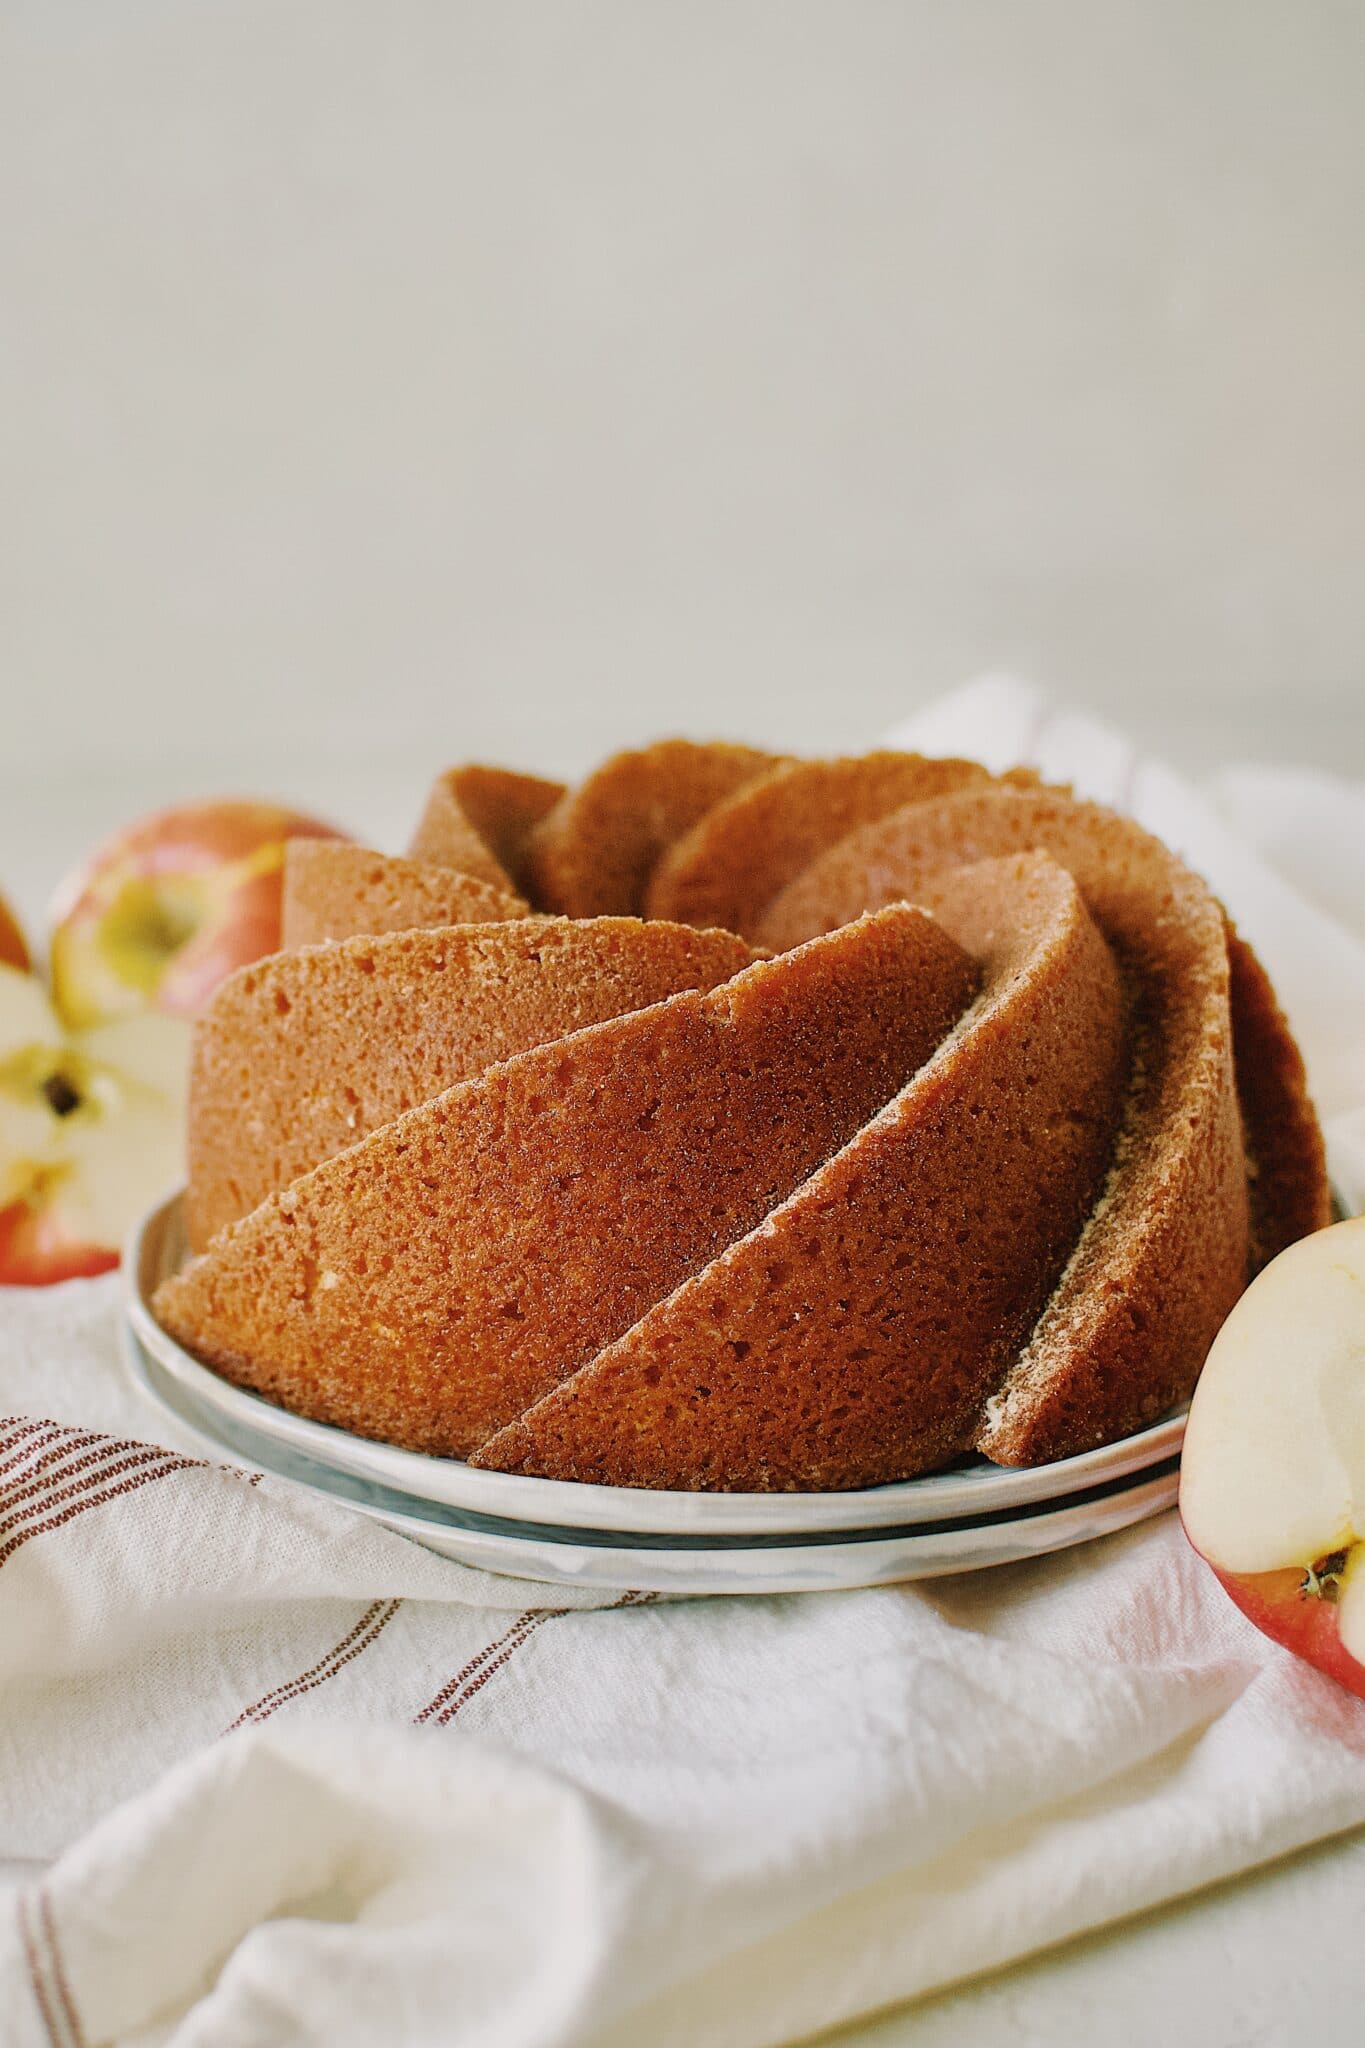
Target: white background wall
column 385, row 383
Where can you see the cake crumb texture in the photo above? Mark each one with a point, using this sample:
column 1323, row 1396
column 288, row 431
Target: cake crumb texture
column 333, row 890
column 300, row 1055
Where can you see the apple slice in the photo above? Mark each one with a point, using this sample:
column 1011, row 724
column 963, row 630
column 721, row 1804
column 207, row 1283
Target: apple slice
column 168, row 908
column 91, row 1131
column 1272, row 1480
column 13, row 945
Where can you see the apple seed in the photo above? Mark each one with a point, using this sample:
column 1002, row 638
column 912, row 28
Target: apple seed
column 1322, row 1578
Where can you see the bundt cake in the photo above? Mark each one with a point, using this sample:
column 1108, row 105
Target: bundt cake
column 975, row 1153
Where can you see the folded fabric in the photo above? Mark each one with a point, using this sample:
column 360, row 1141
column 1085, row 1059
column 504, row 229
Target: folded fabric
column 288, row 1778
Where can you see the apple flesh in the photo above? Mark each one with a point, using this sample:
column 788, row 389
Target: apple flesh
column 91, row 1132
column 167, row 909
column 1272, row 1479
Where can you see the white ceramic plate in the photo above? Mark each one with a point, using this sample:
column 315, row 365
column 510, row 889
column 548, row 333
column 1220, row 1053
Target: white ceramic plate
column 969, row 1492
column 710, row 1563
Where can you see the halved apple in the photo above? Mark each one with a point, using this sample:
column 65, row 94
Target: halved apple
column 168, row 908
column 1272, row 1481
column 91, row 1131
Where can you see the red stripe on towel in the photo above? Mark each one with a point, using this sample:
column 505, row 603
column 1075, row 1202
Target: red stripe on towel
column 494, row 1656
column 20, row 1505
column 433, row 1707
column 23, row 1439
column 47, row 1444
column 29, row 1493
column 371, row 1624
column 130, row 1483
column 48, row 1922
column 46, row 1972
column 37, row 1982
column 481, row 1677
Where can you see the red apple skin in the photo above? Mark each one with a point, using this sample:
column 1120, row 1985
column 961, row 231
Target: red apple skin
column 34, row 1252
column 200, row 844
column 13, row 945
column 249, row 929
column 1275, row 1604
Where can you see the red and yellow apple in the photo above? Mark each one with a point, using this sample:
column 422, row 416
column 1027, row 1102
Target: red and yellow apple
column 91, row 1132
column 166, row 909
column 1272, row 1479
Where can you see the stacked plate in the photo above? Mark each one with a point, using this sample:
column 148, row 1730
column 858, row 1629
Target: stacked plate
column 631, row 1538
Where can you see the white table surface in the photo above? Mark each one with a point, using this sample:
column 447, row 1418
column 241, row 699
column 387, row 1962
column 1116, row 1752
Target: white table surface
column 1270, row 1961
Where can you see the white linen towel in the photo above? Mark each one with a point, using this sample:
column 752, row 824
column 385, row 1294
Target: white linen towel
column 285, row 1778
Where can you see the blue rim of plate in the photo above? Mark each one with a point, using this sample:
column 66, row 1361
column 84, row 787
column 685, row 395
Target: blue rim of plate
column 969, row 1494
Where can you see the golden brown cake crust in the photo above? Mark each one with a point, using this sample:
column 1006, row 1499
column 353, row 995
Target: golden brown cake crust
column 303, row 1054
column 741, row 852
column 431, row 1282
column 333, row 890
column 595, row 852
column 478, row 819
column 1166, row 1254
column 504, row 807
column 1286, row 1158
column 854, row 1335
